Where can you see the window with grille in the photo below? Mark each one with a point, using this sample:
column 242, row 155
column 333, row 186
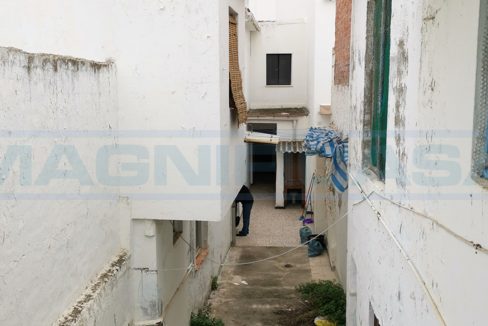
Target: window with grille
column 278, row 69
column 377, row 85
column 480, row 138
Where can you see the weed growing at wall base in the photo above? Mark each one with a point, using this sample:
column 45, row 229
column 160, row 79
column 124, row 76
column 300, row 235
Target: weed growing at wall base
column 326, row 298
column 205, row 318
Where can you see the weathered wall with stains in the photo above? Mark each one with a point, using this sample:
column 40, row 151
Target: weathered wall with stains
column 162, row 288
column 430, row 128
column 171, row 89
column 171, row 69
column 330, row 204
column 165, row 284
column 54, row 240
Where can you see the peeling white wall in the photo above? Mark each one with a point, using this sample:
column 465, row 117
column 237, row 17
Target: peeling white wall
column 171, row 70
column 171, row 89
column 163, row 289
column 52, row 246
column 431, row 106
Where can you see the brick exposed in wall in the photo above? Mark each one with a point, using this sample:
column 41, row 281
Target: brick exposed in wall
column 342, row 42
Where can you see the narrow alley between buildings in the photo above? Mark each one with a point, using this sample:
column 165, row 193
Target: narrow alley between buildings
column 256, row 290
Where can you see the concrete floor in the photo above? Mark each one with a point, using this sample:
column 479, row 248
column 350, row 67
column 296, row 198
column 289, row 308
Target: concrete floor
column 269, row 226
column 252, row 294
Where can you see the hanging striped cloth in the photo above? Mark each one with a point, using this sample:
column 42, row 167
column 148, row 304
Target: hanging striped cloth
column 327, row 143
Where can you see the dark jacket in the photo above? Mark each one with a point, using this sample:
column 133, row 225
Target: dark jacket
column 244, row 196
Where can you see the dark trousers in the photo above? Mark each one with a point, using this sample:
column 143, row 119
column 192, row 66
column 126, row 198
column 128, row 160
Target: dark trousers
column 246, row 216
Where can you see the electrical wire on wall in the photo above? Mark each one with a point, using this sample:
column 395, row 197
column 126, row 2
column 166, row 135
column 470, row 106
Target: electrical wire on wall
column 476, row 246
column 410, row 263
column 379, row 216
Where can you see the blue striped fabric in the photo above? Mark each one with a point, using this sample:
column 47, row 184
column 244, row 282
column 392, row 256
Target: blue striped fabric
column 327, row 143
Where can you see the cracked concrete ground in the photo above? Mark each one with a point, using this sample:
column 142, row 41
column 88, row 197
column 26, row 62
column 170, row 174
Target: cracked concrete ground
column 253, row 294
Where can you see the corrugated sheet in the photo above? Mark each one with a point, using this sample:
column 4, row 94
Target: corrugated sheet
column 290, row 147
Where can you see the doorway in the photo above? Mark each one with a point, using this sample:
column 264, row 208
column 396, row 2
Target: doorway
column 263, row 156
column 294, row 178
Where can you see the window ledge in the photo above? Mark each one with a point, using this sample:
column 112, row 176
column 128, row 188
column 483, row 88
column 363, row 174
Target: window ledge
column 374, row 181
column 200, row 258
column 278, row 86
column 479, row 180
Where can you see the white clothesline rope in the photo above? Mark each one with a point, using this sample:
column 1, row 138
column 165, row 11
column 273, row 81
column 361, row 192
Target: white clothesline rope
column 410, row 263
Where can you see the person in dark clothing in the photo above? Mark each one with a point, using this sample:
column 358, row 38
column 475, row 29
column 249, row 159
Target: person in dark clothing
column 246, row 199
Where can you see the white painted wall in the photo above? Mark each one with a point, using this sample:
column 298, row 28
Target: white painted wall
column 305, row 29
column 169, row 86
column 286, row 37
column 53, row 246
column 431, row 103
column 162, row 289
column 283, row 30
column 264, row 10
column 321, row 38
column 171, row 89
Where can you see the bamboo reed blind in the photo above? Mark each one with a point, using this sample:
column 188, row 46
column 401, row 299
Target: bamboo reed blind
column 235, row 73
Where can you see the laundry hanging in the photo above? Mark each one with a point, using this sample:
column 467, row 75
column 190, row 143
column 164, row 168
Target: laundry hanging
column 327, row 143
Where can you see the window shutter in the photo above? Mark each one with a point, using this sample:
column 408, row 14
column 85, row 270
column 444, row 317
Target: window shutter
column 235, row 73
column 284, row 69
column 381, row 73
column 272, row 69
column 480, row 137
column 278, row 69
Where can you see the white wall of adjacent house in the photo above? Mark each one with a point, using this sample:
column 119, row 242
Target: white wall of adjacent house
column 163, row 288
column 306, row 30
column 430, row 121
column 321, row 37
column 58, row 232
column 283, row 31
column 169, row 101
column 171, row 90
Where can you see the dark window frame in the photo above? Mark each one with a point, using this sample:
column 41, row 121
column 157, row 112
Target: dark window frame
column 377, row 86
column 279, row 69
column 479, row 168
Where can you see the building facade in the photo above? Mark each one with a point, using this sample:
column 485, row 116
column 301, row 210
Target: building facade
column 122, row 158
column 417, row 225
column 290, row 81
